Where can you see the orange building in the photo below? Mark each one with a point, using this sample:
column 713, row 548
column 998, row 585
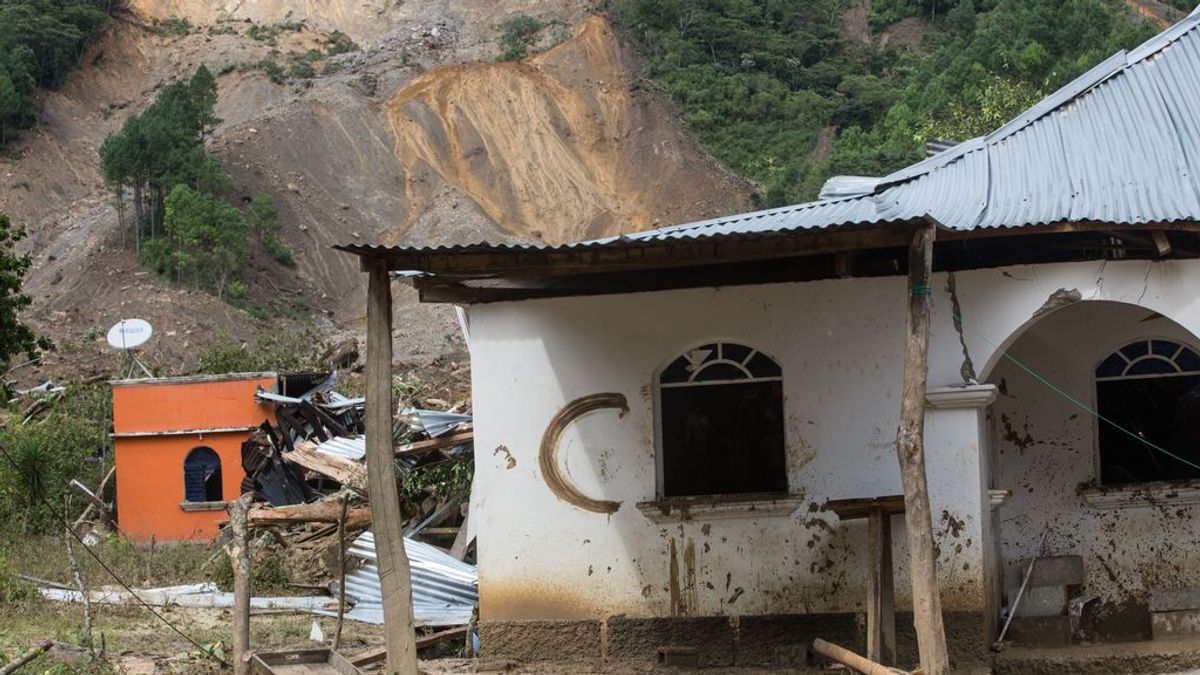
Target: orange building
column 178, row 451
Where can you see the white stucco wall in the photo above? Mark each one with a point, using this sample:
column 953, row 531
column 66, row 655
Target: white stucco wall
column 1046, row 450
column 840, row 343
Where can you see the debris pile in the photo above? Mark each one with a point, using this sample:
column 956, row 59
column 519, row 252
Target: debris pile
column 302, row 468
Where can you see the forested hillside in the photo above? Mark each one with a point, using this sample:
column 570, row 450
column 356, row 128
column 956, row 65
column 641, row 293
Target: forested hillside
column 789, row 92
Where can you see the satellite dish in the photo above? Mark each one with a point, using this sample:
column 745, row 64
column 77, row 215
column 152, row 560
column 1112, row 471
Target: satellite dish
column 129, row 333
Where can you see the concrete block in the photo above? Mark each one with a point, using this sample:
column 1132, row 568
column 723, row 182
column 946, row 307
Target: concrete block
column 1056, row 570
column 1174, row 599
column 541, row 641
column 1175, row 624
column 1043, row 601
column 1040, row 631
column 783, row 640
column 640, row 639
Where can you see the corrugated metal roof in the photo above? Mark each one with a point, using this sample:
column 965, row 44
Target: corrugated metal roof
column 1119, row 144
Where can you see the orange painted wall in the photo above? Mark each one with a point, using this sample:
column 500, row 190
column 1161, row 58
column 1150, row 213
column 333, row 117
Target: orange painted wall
column 150, row 468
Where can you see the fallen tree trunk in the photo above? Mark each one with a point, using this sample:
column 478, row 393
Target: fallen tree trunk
column 317, row 512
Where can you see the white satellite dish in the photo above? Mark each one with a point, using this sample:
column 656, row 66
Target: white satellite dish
column 129, row 333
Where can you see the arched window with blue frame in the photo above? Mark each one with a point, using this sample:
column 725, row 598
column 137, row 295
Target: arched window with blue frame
column 721, row 423
column 202, row 476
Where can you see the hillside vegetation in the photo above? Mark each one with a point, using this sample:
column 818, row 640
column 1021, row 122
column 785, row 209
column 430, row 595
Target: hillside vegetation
column 40, row 42
column 789, row 92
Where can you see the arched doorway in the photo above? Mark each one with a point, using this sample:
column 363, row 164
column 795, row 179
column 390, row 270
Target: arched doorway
column 1096, row 434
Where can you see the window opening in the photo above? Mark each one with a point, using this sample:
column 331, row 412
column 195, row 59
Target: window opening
column 722, row 423
column 1152, row 388
column 202, row 476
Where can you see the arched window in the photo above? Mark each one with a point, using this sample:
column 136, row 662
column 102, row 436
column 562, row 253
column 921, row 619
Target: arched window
column 721, row 423
column 202, row 476
column 1150, row 388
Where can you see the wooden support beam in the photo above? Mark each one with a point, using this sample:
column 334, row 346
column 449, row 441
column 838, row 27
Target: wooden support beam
column 394, row 581
column 910, row 451
column 881, row 596
column 1161, row 243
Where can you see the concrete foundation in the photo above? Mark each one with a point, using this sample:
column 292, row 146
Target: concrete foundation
column 779, row 641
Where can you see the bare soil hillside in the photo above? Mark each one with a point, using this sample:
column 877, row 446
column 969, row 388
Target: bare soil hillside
column 418, row 138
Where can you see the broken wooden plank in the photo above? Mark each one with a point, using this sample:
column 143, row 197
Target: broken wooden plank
column 440, row 443
column 83, row 491
column 317, row 512
column 910, row 452
column 349, row 473
column 99, row 491
column 380, row 653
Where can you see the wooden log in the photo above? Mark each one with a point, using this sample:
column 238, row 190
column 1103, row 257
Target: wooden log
column 386, row 519
column 439, row 443
column 239, row 552
column 910, row 451
column 848, row 658
column 26, row 657
column 349, row 473
column 317, row 512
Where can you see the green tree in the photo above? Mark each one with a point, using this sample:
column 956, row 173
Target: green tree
column 207, row 239
column 15, row 337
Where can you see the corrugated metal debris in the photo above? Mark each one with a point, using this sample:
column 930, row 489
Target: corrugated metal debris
column 445, row 591
column 187, row 595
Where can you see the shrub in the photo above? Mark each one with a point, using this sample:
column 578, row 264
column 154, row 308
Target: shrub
column 339, row 43
column 517, row 34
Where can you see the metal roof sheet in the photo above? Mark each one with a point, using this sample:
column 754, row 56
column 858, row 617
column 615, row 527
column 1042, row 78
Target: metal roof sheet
column 445, row 591
column 1119, row 144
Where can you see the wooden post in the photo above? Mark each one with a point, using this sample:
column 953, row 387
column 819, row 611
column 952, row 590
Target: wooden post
column 881, row 605
column 386, row 520
column 910, row 450
column 239, row 554
column 68, row 535
column 341, row 535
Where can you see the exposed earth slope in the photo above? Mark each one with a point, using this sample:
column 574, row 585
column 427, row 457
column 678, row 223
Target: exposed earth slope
column 419, row 137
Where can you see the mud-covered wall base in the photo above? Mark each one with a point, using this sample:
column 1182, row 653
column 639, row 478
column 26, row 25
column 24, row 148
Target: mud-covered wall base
column 775, row 641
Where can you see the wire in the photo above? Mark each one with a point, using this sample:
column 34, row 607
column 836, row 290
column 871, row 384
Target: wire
column 1087, row 408
column 205, row 650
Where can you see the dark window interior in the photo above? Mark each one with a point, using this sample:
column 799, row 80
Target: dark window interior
column 723, row 439
column 202, row 476
column 1150, row 388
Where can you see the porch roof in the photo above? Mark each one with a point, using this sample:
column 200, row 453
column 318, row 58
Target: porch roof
column 1116, row 149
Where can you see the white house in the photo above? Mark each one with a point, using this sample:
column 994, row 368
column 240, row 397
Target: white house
column 663, row 419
